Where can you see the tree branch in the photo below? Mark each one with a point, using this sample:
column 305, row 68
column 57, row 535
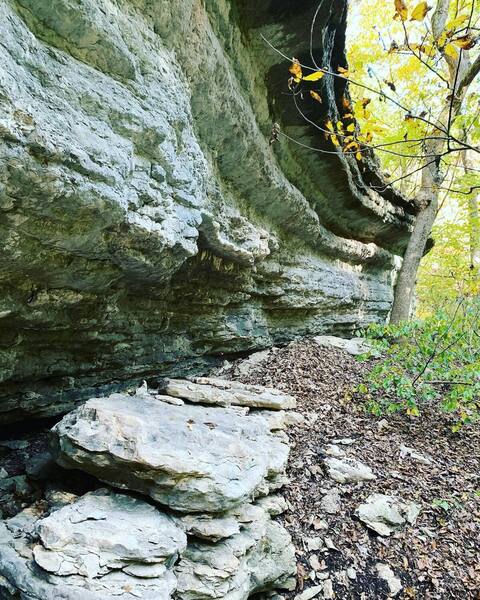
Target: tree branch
column 472, row 72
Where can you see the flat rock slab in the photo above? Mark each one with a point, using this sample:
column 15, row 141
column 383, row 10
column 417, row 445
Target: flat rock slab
column 105, row 530
column 220, row 392
column 191, row 458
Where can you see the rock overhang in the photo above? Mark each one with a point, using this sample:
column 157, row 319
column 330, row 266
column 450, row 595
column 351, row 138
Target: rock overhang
column 147, row 224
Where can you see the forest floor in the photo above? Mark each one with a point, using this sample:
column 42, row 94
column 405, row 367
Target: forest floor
column 436, row 558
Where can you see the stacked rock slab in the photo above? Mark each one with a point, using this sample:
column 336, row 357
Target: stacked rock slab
column 205, row 474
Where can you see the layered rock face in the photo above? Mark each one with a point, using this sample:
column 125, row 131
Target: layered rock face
column 146, row 225
column 202, row 528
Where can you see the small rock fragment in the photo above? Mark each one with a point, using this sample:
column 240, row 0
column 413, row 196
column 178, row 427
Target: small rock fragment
column 310, row 593
column 328, row 589
column 331, row 502
column 351, row 573
column 393, row 582
column 348, row 470
column 384, row 514
column 334, row 450
column 314, row 543
column 412, row 453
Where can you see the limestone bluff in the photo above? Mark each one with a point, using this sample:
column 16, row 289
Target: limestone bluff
column 146, row 225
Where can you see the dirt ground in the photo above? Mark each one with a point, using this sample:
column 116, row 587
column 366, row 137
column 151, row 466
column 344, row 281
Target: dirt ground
column 437, row 557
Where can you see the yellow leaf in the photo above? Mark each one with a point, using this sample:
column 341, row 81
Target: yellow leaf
column 358, row 155
column 343, row 71
column 340, row 126
column 314, row 76
column 442, row 39
column 348, row 116
column 454, row 23
column 351, row 127
column 335, row 140
column 316, row 96
column 351, row 145
column 296, row 70
column 420, row 12
column 427, row 49
column 329, row 126
column 401, row 11
column 465, row 42
column 451, row 51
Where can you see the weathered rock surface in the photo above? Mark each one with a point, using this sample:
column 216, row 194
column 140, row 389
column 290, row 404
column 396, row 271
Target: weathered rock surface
column 248, row 562
column 108, row 545
column 219, row 392
column 146, row 225
column 192, row 458
column 211, row 469
column 348, row 470
column 385, row 514
column 103, row 546
column 354, row 346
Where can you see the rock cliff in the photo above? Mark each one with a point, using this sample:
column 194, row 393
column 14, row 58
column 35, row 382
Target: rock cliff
column 146, row 225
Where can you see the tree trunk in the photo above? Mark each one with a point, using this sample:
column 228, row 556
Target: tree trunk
column 407, row 277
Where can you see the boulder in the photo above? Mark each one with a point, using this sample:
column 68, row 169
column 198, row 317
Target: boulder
column 191, row 458
column 386, row 573
column 104, row 545
column 108, row 546
column 220, row 392
column 259, row 557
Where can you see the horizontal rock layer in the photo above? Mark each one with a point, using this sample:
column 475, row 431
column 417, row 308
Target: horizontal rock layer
column 146, row 225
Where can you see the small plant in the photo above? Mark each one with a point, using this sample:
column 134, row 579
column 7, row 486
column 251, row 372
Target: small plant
column 441, row 503
column 425, row 361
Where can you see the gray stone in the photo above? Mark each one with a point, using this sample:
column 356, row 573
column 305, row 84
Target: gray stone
column 210, row 527
column 220, row 392
column 405, row 452
column 348, row 470
column 192, row 458
column 103, row 546
column 309, row 593
column 334, row 450
column 386, row 573
column 385, row 514
column 259, row 558
column 354, row 346
column 251, row 363
column 331, row 503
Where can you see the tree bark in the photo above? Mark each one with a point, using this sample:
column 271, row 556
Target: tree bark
column 407, row 277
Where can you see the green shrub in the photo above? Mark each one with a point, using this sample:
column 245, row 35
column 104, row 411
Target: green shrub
column 425, row 361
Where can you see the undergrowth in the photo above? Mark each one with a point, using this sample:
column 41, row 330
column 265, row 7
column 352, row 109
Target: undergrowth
column 425, row 361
